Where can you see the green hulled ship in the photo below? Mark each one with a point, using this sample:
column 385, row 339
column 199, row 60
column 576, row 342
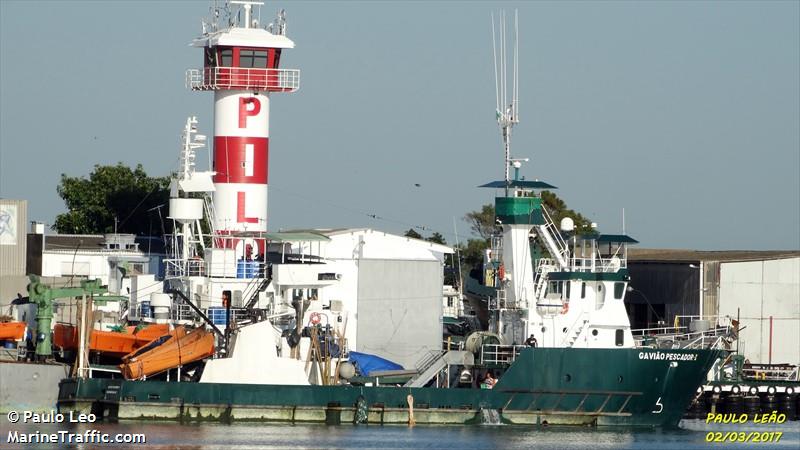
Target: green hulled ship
column 558, row 341
column 629, row 387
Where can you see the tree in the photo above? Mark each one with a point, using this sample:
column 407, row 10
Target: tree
column 437, row 238
column 558, row 210
column 481, row 222
column 412, row 234
column 111, row 193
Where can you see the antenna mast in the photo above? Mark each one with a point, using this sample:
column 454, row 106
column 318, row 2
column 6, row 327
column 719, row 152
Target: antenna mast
column 507, row 112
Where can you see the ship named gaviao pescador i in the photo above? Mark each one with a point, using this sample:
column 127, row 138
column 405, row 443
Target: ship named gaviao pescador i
column 558, row 348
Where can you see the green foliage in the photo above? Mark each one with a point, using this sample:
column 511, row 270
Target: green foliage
column 558, row 210
column 412, row 234
column 481, row 222
column 111, row 192
column 472, row 253
column 437, row 238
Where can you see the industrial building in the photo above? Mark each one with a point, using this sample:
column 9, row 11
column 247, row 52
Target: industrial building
column 13, row 248
column 759, row 288
column 113, row 258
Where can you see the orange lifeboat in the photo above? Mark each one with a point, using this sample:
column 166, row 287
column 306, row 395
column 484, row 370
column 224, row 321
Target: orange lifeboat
column 109, row 342
column 12, row 331
column 181, row 348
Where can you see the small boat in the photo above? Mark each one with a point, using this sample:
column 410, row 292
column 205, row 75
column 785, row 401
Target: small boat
column 180, row 349
column 12, row 331
column 112, row 343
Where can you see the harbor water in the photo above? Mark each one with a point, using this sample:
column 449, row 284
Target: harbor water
column 285, row 436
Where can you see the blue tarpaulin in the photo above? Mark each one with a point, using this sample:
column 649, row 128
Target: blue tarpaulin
column 366, row 363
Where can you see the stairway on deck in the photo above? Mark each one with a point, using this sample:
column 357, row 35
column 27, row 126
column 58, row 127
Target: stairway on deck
column 436, row 365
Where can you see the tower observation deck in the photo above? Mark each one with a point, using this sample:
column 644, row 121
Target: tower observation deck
column 241, row 65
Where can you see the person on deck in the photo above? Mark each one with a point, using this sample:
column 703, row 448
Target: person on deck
column 488, row 381
column 531, row 342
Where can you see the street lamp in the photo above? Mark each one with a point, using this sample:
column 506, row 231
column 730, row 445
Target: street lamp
column 702, row 291
column 647, row 300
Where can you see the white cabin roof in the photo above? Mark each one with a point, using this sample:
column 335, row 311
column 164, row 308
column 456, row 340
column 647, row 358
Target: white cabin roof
column 243, row 37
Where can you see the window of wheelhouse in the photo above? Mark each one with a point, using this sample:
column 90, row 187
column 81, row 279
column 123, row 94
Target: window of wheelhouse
column 253, row 58
column 226, row 57
column 276, row 58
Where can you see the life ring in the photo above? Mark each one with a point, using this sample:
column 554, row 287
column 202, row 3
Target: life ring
column 565, row 309
column 315, row 318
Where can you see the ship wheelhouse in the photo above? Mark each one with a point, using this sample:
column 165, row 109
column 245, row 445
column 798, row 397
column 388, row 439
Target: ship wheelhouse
column 243, row 59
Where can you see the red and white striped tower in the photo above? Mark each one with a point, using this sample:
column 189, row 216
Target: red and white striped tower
column 241, row 67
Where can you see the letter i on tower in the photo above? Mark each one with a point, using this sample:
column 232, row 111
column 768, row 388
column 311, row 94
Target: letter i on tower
column 241, row 66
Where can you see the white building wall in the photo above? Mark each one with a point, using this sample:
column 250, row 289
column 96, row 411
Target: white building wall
column 348, row 250
column 92, row 265
column 57, row 264
column 346, row 291
column 760, row 290
column 372, row 244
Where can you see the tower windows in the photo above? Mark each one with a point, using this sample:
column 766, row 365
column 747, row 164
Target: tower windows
column 253, row 58
column 226, row 57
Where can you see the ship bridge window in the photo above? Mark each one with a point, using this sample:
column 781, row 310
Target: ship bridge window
column 619, row 289
column 277, row 58
column 253, row 58
column 226, row 57
column 554, row 288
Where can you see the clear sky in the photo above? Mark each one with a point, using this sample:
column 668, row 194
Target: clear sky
column 686, row 114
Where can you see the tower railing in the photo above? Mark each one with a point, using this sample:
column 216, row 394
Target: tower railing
column 272, row 80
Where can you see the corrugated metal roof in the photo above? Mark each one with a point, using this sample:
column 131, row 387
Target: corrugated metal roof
column 682, row 255
column 296, row 236
column 336, row 231
column 95, row 242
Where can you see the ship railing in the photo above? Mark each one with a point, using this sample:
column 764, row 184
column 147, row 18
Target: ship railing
column 654, row 331
column 597, row 264
column 181, row 311
column 449, row 344
column 500, row 354
column 714, row 320
column 553, row 240
column 544, row 267
column 771, row 372
column 243, row 78
column 176, row 267
column 713, row 338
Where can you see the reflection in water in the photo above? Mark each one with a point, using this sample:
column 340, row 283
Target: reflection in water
column 173, row 436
